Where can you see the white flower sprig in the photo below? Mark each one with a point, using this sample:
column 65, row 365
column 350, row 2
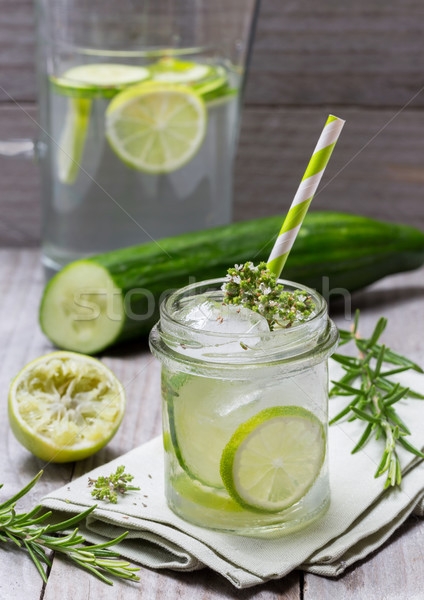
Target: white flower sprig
column 255, row 287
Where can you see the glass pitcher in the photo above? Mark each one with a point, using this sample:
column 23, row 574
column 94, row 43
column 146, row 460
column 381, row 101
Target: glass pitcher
column 139, row 106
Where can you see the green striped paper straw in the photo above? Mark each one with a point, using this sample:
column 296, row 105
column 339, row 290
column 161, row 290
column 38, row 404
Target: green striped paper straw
column 304, row 194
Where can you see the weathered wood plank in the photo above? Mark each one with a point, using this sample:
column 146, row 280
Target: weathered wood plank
column 376, row 169
column 394, row 571
column 20, row 342
column 17, row 35
column 201, row 585
column 20, row 177
column 360, row 53
column 381, row 177
column 365, row 53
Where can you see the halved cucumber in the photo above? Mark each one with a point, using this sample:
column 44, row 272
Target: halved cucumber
column 82, row 309
column 351, row 250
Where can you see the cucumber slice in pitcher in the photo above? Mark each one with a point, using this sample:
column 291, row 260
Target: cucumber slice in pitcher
column 82, row 84
column 72, row 139
column 98, row 80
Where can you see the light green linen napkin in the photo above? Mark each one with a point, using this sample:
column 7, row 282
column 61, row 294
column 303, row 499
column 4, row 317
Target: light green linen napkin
column 360, row 518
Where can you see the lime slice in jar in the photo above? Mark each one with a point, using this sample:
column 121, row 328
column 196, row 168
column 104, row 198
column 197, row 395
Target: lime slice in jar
column 273, row 459
column 156, row 128
column 65, row 406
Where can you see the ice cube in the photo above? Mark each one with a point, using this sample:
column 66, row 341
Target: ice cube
column 214, row 317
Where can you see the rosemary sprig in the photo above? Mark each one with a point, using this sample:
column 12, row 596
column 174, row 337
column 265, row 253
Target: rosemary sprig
column 368, row 381
column 106, row 488
column 30, row 532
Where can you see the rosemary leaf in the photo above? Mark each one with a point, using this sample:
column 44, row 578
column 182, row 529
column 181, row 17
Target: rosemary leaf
column 363, row 415
column 395, row 396
column 348, row 388
column 364, row 438
column 410, row 447
column 397, row 420
column 36, row 561
column 379, row 328
column 345, row 411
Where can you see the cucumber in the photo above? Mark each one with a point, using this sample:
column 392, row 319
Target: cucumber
column 94, row 303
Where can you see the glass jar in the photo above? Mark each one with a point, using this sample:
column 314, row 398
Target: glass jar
column 244, row 415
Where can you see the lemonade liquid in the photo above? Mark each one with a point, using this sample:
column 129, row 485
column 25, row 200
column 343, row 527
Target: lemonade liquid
column 212, row 384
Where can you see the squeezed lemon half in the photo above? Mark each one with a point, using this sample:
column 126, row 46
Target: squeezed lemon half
column 65, row 406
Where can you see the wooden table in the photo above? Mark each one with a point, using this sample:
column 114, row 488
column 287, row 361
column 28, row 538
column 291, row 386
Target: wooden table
column 395, row 572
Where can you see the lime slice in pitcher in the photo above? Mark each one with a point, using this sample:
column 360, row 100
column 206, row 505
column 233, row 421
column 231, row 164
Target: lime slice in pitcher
column 156, row 128
column 273, row 459
column 104, row 80
column 172, row 70
column 65, row 406
column 202, row 78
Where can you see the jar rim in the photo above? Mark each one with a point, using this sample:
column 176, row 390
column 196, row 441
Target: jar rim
column 168, row 316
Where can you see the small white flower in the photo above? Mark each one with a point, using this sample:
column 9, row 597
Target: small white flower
column 264, row 289
column 237, row 279
column 238, row 267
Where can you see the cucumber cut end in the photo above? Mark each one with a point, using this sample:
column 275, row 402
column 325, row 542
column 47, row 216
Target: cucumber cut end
column 82, row 309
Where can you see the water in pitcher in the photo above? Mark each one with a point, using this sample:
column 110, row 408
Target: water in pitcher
column 107, row 185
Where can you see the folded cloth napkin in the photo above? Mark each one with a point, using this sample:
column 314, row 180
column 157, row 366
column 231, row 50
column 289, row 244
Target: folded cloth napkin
column 362, row 515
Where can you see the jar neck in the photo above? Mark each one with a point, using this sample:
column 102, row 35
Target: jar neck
column 310, row 341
